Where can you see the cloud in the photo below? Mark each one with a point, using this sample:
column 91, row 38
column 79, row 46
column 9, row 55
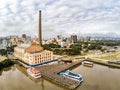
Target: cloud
column 59, row 17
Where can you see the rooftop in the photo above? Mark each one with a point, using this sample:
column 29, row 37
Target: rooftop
column 34, row 48
column 23, row 46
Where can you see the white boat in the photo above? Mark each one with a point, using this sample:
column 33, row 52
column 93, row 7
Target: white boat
column 87, row 63
column 71, row 75
column 33, row 72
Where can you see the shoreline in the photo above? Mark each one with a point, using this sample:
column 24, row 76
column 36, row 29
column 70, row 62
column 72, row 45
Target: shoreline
column 103, row 62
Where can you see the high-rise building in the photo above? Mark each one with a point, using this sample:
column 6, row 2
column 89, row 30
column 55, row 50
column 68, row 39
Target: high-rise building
column 4, row 43
column 73, row 38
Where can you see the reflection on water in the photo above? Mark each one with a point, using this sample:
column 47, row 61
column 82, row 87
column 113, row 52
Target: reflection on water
column 97, row 78
column 17, row 79
column 1, row 72
column 5, row 69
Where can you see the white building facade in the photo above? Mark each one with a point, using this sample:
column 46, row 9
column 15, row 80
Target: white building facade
column 34, row 54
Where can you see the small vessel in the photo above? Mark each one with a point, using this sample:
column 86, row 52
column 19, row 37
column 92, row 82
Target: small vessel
column 33, row 72
column 114, row 61
column 71, row 75
column 87, row 63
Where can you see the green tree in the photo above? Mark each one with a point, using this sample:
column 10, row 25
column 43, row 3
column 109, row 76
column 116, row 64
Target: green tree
column 49, row 46
column 6, row 63
column 11, row 48
column 94, row 47
column 76, row 49
column 3, row 52
column 46, row 47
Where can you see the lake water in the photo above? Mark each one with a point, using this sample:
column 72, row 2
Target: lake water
column 97, row 78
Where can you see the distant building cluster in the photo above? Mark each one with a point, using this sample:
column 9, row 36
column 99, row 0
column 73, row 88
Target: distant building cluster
column 14, row 40
column 62, row 41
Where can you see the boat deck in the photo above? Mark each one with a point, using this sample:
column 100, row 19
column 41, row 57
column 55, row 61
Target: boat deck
column 51, row 72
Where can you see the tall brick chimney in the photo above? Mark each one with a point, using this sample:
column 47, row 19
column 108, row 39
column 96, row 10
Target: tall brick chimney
column 40, row 30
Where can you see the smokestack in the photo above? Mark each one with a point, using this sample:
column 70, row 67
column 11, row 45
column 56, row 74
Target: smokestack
column 40, row 30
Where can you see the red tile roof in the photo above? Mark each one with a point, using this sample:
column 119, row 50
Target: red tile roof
column 34, row 48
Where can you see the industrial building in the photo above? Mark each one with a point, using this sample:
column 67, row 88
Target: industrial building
column 33, row 54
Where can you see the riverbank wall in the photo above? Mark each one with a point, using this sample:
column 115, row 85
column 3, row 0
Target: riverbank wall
column 102, row 62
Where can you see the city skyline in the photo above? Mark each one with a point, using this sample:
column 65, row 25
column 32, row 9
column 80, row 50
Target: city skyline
column 80, row 16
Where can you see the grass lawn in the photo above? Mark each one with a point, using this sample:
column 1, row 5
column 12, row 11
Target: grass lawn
column 112, row 56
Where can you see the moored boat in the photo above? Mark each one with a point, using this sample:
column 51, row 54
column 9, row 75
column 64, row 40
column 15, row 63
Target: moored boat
column 33, row 72
column 71, row 75
column 114, row 61
column 87, row 63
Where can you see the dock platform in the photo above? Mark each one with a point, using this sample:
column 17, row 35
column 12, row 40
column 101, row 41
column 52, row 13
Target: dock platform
column 51, row 72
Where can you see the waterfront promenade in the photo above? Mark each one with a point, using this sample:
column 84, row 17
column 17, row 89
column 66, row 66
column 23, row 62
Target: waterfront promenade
column 103, row 62
column 51, row 72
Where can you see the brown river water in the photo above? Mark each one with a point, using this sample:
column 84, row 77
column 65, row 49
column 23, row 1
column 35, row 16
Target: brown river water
column 96, row 78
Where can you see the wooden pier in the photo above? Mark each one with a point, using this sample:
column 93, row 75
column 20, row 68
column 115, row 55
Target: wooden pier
column 51, row 72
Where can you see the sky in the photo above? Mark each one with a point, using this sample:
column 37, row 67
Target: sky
column 59, row 17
